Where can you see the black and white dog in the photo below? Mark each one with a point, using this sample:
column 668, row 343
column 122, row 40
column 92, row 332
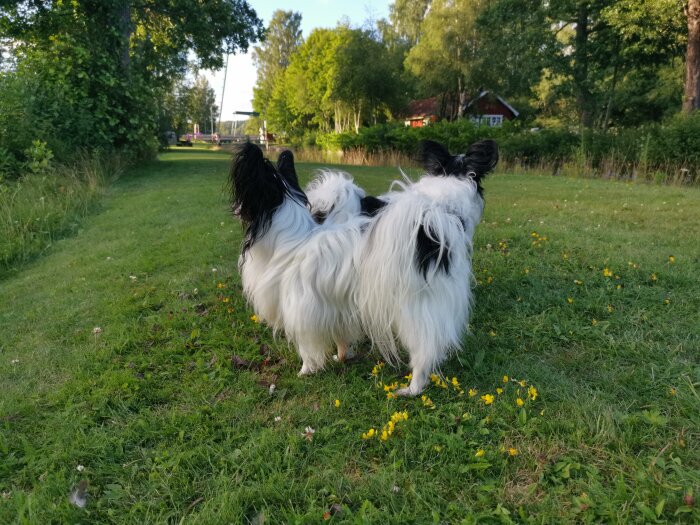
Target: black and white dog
column 337, row 266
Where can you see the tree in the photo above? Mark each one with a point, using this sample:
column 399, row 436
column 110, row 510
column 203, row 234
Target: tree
column 407, row 17
column 272, row 57
column 201, row 105
column 448, row 49
column 102, row 68
column 516, row 44
column 691, row 99
column 332, row 84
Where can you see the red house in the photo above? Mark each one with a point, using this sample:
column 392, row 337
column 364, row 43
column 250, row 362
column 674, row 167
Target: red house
column 489, row 109
column 421, row 112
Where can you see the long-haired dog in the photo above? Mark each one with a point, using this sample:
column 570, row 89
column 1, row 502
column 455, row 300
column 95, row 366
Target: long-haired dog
column 396, row 269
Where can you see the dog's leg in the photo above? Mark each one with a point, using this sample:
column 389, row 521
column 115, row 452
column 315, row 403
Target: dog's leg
column 313, row 356
column 344, row 352
column 419, row 379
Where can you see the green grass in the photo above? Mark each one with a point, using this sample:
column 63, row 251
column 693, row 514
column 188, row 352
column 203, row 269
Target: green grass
column 39, row 209
column 167, row 430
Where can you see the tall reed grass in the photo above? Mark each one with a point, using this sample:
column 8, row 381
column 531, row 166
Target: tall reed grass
column 36, row 210
column 614, row 167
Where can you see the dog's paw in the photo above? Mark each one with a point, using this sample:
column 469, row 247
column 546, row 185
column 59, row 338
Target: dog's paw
column 306, row 371
column 407, row 392
column 347, row 356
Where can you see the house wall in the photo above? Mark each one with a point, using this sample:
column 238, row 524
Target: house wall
column 487, row 106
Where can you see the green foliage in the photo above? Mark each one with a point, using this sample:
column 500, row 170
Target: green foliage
column 38, row 158
column 671, row 147
column 38, row 210
column 92, row 74
column 443, row 59
column 272, row 57
column 330, row 84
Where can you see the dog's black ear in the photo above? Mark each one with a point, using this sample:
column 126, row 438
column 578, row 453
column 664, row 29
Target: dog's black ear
column 481, row 157
column 285, row 166
column 256, row 189
column 434, row 157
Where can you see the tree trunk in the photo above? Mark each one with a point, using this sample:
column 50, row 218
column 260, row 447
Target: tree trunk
column 125, row 28
column 580, row 73
column 606, row 120
column 691, row 99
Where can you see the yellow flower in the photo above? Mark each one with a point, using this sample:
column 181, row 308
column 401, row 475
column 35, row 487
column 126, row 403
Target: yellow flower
column 492, row 333
column 399, row 416
column 480, row 453
column 577, row 282
column 392, row 386
column 499, row 391
column 653, row 277
column 377, row 368
column 391, row 395
column 594, row 322
column 512, row 451
column 220, row 285
column 671, row 259
column 532, row 393
column 667, row 301
column 672, row 391
column 369, row 434
column 455, row 382
column 384, row 436
column 519, row 402
column 337, row 403
column 610, row 308
column 472, row 392
column 607, row 272
column 505, row 379
column 527, row 270
column 489, row 280
column 409, row 376
column 487, row 398
column 254, row 318
column 570, row 300
column 522, row 383
column 225, row 299
column 438, row 448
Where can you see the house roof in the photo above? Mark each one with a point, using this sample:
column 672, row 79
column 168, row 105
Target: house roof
column 422, row 108
column 501, row 100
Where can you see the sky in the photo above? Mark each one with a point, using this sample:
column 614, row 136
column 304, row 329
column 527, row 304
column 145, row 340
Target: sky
column 314, row 13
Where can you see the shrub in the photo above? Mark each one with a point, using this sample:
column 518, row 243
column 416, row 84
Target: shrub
column 643, row 152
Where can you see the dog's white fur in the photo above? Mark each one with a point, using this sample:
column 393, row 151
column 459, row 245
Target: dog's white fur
column 331, row 284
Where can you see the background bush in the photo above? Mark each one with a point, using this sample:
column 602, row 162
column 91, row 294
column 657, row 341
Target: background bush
column 672, row 147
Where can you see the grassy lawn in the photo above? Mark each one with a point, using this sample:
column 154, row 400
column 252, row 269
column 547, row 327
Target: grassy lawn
column 117, row 367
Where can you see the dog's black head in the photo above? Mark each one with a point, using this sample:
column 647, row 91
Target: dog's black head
column 480, row 158
column 258, row 188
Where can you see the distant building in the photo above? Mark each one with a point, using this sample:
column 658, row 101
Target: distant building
column 489, row 109
column 421, row 112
